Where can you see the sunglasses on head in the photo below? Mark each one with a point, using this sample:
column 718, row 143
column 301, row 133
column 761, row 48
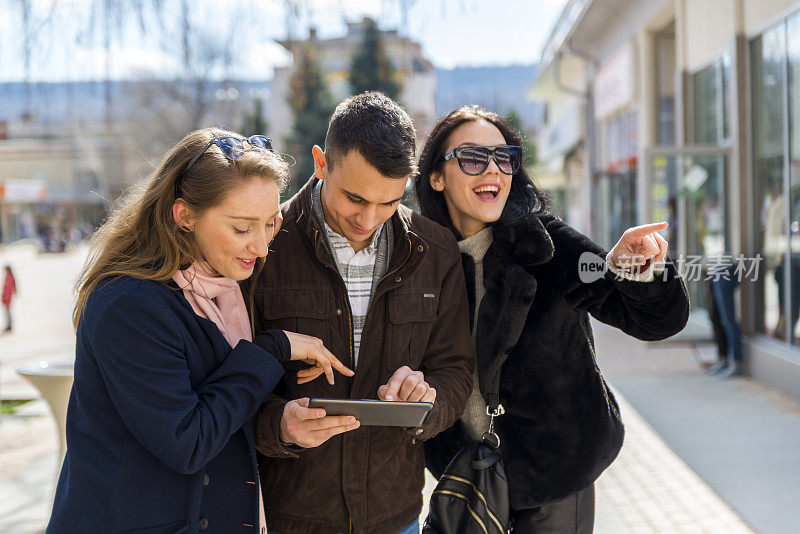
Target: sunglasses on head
column 473, row 160
column 232, row 148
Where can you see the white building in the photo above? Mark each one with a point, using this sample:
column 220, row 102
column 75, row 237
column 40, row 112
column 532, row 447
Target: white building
column 687, row 111
column 50, row 187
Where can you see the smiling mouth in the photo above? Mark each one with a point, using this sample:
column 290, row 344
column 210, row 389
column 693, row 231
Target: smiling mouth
column 358, row 229
column 487, row 193
column 248, row 263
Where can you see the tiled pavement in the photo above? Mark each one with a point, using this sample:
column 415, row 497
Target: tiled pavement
column 42, row 313
column 738, row 436
column 651, row 489
column 28, row 446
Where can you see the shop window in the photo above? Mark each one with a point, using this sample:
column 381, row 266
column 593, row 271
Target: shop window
column 615, row 204
column 712, row 102
column 776, row 171
column 665, row 84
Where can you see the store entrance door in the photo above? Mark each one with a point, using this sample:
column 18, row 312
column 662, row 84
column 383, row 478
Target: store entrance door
column 687, row 187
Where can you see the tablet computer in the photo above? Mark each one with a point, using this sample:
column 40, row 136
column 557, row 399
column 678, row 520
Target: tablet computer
column 377, row 412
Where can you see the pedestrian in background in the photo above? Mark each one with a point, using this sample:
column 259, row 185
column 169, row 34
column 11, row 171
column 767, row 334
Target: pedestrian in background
column 725, row 275
column 9, row 290
column 530, row 312
column 718, row 329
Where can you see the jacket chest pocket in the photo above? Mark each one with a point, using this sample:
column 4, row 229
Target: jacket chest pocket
column 411, row 314
column 305, row 311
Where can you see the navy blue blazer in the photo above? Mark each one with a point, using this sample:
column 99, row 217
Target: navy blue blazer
column 159, row 424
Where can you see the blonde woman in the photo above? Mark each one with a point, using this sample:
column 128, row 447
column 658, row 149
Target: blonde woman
column 167, row 376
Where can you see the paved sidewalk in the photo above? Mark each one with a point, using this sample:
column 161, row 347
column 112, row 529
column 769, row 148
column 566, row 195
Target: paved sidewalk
column 741, row 437
column 650, row 489
column 28, row 455
column 41, row 310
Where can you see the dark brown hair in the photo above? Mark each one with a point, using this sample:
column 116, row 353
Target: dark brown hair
column 378, row 128
column 524, row 196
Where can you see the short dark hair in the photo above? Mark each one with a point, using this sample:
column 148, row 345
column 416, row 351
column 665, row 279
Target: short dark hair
column 524, row 196
column 378, row 128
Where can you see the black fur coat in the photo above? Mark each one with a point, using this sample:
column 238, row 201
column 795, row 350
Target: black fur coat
column 562, row 426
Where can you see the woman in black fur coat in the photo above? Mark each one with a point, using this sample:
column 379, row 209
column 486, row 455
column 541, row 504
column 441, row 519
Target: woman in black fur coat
column 530, row 305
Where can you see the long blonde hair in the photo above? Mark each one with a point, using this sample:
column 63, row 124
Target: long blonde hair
column 141, row 239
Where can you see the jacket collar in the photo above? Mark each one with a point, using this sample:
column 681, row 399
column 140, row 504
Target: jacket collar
column 510, row 292
column 406, row 242
column 526, row 243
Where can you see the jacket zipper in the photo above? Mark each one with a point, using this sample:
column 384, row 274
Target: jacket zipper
column 350, row 325
column 352, row 357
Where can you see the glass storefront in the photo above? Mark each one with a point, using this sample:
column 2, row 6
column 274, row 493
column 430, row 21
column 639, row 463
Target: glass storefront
column 665, row 85
column 707, row 92
column 776, row 171
column 688, row 185
column 688, row 191
column 664, row 199
column 704, row 192
column 712, row 102
column 616, row 193
column 615, row 200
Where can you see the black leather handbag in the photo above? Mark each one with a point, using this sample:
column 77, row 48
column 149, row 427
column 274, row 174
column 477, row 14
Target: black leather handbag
column 471, row 496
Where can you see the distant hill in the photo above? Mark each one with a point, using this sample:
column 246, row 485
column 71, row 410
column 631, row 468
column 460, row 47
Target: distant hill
column 57, row 101
column 499, row 89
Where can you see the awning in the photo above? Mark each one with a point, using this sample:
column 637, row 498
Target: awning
column 23, row 190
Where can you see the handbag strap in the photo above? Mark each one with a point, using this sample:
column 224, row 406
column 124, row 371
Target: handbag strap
column 488, row 461
column 494, row 391
column 493, row 406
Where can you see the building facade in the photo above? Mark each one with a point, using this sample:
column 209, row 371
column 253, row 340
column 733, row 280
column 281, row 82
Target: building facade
column 56, row 190
column 688, row 111
column 69, row 149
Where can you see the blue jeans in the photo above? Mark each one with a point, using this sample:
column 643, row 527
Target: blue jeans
column 723, row 295
column 413, row 528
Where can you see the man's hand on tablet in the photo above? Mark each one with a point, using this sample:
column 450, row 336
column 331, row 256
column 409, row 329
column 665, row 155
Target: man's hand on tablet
column 407, row 385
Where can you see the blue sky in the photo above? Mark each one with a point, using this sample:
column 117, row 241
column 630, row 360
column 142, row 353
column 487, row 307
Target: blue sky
column 452, row 33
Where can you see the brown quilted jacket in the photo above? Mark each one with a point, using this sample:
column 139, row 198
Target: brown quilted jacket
column 368, row 480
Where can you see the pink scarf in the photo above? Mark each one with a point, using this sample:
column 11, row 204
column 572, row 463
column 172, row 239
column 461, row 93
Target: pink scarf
column 219, row 299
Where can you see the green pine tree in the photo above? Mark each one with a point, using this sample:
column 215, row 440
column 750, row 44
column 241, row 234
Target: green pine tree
column 312, row 106
column 371, row 69
column 254, row 122
column 528, row 148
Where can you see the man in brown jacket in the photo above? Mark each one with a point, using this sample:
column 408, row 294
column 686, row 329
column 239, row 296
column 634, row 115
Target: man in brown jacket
column 383, row 288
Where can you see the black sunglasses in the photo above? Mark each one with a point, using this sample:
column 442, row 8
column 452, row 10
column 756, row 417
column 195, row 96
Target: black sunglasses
column 232, row 148
column 473, row 160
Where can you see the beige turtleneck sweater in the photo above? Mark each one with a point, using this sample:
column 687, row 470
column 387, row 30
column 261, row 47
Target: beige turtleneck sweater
column 474, row 417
